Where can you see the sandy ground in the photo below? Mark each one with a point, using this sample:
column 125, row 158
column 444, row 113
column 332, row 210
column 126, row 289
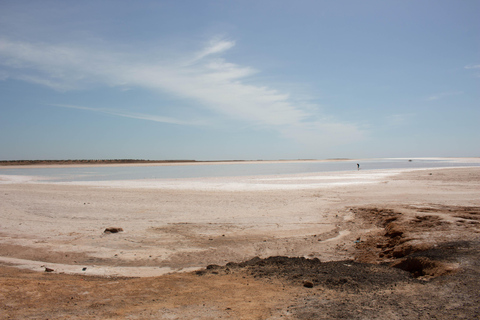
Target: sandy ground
column 176, row 225
column 348, row 228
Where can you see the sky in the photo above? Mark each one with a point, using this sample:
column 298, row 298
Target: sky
column 246, row 80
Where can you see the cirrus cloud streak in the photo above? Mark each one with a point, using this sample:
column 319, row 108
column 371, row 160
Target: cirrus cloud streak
column 204, row 78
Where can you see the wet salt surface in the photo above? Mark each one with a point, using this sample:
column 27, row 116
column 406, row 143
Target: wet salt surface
column 230, row 176
column 108, row 173
column 250, row 183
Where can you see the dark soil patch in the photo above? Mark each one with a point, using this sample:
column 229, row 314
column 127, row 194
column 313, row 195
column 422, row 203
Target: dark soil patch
column 340, row 275
column 354, row 290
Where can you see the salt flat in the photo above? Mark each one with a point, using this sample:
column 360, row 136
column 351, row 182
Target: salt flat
column 183, row 224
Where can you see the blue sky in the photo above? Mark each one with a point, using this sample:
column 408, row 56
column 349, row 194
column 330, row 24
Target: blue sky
column 210, row 80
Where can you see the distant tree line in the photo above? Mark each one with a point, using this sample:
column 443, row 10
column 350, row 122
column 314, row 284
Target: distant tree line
column 87, row 161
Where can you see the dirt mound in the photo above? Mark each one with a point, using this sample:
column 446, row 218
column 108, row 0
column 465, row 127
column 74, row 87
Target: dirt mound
column 340, row 275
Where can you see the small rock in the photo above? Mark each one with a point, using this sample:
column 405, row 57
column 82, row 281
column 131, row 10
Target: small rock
column 49, row 269
column 84, row 269
column 212, row 267
column 307, row 284
column 113, row 230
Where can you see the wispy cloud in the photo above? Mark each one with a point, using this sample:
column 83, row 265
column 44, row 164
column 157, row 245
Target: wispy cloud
column 400, row 119
column 3, row 75
column 202, row 77
column 323, row 133
column 442, row 95
column 215, row 46
column 473, row 66
column 134, row 115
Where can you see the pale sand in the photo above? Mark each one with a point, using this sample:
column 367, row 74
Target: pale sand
column 184, row 224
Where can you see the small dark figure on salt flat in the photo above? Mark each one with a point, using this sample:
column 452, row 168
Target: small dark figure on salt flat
column 358, row 166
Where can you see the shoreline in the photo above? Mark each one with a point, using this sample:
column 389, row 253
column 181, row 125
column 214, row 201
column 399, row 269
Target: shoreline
column 147, row 163
column 232, row 183
column 268, row 182
column 140, row 163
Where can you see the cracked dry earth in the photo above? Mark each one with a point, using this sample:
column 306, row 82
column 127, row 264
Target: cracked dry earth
column 413, row 257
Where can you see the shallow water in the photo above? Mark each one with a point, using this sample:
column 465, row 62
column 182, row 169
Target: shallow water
column 104, row 173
